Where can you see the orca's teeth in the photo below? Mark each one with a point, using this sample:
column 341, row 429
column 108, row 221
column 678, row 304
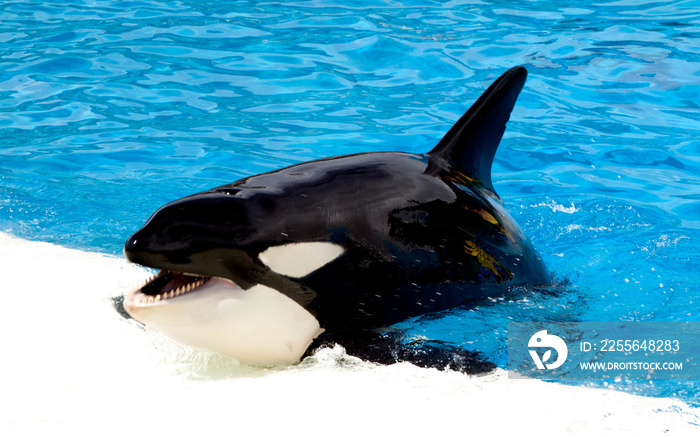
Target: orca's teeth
column 188, row 287
column 144, row 297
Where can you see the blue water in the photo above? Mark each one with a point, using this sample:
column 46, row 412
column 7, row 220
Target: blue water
column 109, row 109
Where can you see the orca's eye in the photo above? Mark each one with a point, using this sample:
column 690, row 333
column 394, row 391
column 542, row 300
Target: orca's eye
column 229, row 191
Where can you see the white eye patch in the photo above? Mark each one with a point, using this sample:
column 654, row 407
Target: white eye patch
column 297, row 260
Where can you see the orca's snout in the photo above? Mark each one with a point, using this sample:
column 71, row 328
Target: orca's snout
column 131, row 246
column 137, row 250
column 133, row 249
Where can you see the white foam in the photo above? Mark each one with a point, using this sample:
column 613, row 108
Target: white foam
column 70, row 364
column 554, row 206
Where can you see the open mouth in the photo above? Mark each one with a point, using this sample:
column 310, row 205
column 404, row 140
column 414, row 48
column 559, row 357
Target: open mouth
column 166, row 284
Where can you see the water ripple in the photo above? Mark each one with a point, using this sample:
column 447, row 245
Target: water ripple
column 609, row 83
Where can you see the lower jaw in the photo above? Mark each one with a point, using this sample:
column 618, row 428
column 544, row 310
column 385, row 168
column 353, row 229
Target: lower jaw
column 258, row 326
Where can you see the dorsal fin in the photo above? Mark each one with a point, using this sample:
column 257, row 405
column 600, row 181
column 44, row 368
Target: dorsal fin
column 470, row 145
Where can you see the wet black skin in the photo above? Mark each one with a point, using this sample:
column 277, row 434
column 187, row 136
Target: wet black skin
column 406, row 236
column 421, row 233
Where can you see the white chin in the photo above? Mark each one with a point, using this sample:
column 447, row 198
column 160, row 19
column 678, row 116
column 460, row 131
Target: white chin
column 258, row 326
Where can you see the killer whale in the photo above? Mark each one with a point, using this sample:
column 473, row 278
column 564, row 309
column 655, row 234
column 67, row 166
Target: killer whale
column 338, row 249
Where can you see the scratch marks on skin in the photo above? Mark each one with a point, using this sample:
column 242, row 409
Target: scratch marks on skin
column 489, row 218
column 487, row 261
column 461, row 179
